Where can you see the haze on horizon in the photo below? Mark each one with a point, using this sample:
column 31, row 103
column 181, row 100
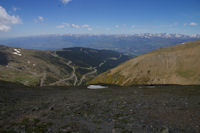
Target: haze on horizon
column 25, row 18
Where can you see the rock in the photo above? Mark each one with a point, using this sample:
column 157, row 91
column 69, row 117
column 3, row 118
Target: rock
column 67, row 130
column 51, row 108
column 49, row 130
column 164, row 129
column 36, row 109
column 116, row 130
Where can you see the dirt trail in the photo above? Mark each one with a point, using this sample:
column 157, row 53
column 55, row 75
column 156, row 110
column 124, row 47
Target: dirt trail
column 112, row 58
column 95, row 70
column 63, row 80
column 72, row 76
column 85, row 75
column 43, row 79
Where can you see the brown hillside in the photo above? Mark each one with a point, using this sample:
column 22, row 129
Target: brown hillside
column 172, row 65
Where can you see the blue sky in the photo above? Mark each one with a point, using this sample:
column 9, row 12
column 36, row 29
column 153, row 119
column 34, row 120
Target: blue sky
column 35, row 17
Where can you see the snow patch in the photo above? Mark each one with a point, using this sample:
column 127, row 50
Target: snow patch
column 17, row 52
column 113, row 58
column 96, row 87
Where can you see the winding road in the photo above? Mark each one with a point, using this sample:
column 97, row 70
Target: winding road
column 85, row 75
column 72, row 76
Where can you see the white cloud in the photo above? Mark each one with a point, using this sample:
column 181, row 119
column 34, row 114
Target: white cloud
column 7, row 20
column 4, row 28
column 15, row 9
column 85, row 26
column 60, row 26
column 133, row 26
column 66, row 24
column 75, row 26
column 39, row 19
column 89, row 29
column 80, row 26
column 116, row 26
column 193, row 24
column 65, row 1
column 108, row 29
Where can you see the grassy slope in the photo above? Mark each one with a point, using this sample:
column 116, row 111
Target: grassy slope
column 29, row 68
column 172, row 65
column 36, row 67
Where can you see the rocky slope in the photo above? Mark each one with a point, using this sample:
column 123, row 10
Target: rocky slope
column 172, row 65
column 36, row 67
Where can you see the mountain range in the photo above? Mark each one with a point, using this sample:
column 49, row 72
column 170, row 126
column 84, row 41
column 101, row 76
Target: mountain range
column 133, row 45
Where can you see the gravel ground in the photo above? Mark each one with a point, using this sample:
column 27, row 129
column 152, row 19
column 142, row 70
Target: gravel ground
column 137, row 109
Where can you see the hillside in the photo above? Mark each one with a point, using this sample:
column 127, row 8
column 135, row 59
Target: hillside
column 44, row 68
column 102, row 60
column 172, row 65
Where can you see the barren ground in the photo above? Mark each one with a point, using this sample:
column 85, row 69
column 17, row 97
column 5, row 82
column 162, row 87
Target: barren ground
column 138, row 109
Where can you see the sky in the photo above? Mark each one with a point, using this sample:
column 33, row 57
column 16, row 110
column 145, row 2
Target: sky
column 38, row 17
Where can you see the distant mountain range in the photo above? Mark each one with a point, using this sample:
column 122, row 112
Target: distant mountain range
column 133, row 45
column 171, row 65
column 69, row 66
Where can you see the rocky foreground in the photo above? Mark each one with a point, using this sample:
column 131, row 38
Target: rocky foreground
column 139, row 109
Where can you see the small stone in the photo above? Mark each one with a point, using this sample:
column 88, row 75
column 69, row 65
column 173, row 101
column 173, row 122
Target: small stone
column 36, row 109
column 49, row 130
column 51, row 108
column 116, row 130
column 164, row 129
column 113, row 120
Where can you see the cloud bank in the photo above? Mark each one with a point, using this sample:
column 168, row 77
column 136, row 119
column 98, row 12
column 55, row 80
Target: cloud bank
column 39, row 19
column 75, row 26
column 193, row 24
column 65, row 1
column 6, row 20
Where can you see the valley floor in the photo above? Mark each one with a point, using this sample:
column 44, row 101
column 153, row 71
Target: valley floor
column 138, row 109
